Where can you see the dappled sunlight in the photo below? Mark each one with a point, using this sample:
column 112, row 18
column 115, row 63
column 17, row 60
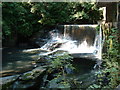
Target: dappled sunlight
column 31, row 50
column 57, row 45
column 17, row 62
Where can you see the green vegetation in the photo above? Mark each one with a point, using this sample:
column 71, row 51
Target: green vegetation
column 22, row 20
column 109, row 76
column 112, row 57
column 58, row 64
column 18, row 21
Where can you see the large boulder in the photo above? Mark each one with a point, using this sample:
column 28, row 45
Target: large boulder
column 30, row 79
column 6, row 82
column 58, row 83
column 31, row 75
column 24, row 81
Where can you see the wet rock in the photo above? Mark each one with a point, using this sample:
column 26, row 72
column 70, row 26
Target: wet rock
column 42, row 59
column 22, row 85
column 27, row 76
column 55, row 45
column 7, row 81
column 118, row 87
column 30, row 79
column 26, row 80
column 58, row 83
column 31, row 75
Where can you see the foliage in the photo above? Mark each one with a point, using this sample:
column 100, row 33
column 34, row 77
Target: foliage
column 66, row 12
column 87, row 13
column 109, row 76
column 18, row 20
column 24, row 19
column 52, row 13
column 58, row 64
column 61, row 62
column 112, row 57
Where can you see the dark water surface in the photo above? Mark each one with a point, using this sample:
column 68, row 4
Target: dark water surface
column 84, row 72
column 19, row 60
column 83, row 65
column 16, row 60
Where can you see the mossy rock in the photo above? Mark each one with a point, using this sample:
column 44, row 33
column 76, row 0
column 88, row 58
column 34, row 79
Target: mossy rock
column 27, row 76
column 58, row 83
column 31, row 75
column 6, row 82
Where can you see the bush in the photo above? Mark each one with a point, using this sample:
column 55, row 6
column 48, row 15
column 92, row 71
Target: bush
column 109, row 76
column 22, row 20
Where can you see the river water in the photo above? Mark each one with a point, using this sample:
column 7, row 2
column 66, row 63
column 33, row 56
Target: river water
column 18, row 60
column 79, row 41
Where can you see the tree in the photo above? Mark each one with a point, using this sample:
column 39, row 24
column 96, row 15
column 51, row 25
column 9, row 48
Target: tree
column 22, row 20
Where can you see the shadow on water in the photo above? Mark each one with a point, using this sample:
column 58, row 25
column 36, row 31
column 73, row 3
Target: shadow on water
column 83, row 65
column 15, row 61
column 84, row 72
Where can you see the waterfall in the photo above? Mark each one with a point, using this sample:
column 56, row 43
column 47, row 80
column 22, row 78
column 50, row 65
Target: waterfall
column 78, row 40
column 84, row 35
column 100, row 44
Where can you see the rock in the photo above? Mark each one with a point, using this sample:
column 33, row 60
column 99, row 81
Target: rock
column 27, row 76
column 22, row 85
column 25, row 81
column 42, row 59
column 31, row 75
column 55, row 45
column 58, row 83
column 84, row 55
column 7, row 81
column 30, row 79
column 118, row 87
column 54, row 52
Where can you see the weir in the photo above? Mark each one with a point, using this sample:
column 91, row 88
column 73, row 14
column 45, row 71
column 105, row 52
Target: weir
column 81, row 41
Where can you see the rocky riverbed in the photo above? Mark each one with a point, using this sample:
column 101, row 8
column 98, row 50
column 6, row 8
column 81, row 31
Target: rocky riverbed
column 46, row 71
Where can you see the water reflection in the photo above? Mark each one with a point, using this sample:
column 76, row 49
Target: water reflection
column 16, row 60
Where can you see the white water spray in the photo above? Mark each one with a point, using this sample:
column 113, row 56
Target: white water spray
column 66, row 43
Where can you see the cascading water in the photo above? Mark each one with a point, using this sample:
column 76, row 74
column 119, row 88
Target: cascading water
column 84, row 43
column 84, row 40
column 77, row 40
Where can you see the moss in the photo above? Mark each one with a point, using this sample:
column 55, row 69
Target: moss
column 27, row 76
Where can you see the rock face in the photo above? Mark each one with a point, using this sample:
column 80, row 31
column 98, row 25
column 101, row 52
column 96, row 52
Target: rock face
column 118, row 87
column 24, row 81
column 7, row 81
column 57, row 83
column 31, row 75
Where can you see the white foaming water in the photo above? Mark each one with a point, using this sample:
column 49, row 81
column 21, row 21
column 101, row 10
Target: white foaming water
column 69, row 45
column 73, row 46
